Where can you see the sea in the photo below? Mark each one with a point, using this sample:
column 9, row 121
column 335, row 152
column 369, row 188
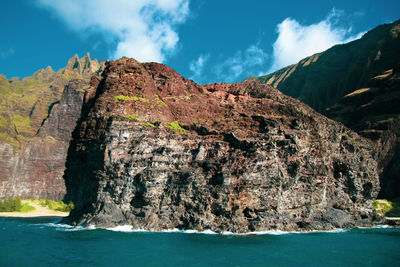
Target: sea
column 45, row 242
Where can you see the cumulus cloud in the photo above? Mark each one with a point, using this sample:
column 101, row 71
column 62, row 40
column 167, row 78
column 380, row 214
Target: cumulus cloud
column 143, row 29
column 232, row 69
column 296, row 41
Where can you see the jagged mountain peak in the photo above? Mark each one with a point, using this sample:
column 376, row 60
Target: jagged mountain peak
column 83, row 65
column 37, row 115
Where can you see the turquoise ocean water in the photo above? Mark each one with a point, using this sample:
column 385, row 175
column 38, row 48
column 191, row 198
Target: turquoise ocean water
column 40, row 242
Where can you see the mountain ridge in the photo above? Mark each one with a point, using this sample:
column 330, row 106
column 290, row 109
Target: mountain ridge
column 33, row 140
column 339, row 70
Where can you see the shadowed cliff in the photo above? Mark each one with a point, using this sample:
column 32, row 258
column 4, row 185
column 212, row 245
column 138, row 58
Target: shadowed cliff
column 37, row 116
column 157, row 151
column 324, row 78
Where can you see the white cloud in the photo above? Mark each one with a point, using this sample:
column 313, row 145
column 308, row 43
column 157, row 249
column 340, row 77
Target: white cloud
column 242, row 64
column 296, row 41
column 197, row 66
column 143, row 29
column 232, row 69
column 7, row 53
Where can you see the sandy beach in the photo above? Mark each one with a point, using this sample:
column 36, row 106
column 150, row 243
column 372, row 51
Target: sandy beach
column 38, row 212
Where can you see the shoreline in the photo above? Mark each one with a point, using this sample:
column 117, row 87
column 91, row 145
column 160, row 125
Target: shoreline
column 33, row 214
column 39, row 211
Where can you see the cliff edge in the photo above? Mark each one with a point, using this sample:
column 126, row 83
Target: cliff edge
column 157, row 151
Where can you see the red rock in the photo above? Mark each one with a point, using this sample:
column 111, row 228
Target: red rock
column 158, row 151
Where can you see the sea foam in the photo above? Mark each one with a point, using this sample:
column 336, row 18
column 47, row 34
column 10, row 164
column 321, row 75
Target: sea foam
column 130, row 229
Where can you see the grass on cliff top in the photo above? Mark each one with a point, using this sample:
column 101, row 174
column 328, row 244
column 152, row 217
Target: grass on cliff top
column 131, row 98
column 176, row 127
column 132, row 117
column 385, row 207
column 148, row 124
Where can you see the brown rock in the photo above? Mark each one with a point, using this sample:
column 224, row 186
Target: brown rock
column 157, row 151
column 35, row 131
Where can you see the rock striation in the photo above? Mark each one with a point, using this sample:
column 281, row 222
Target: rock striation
column 357, row 84
column 374, row 113
column 37, row 116
column 157, row 151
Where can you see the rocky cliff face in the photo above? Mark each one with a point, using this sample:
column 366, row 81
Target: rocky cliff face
column 37, row 117
column 157, row 151
column 324, row 78
column 358, row 83
column 374, row 112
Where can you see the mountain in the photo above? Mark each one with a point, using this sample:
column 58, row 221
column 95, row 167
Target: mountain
column 374, row 112
column 37, row 116
column 324, row 78
column 157, row 151
column 356, row 84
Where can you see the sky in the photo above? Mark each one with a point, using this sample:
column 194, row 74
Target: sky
column 204, row 40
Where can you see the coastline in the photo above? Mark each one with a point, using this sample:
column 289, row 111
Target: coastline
column 38, row 212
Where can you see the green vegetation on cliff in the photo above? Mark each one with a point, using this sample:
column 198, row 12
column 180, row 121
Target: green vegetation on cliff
column 176, row 127
column 386, row 207
column 24, row 104
column 55, row 205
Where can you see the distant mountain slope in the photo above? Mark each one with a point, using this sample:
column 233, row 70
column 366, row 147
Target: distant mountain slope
column 374, row 112
column 37, row 115
column 24, row 104
column 323, row 79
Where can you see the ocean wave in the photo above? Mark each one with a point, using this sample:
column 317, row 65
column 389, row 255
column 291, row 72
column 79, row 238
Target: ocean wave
column 67, row 227
column 130, row 229
column 382, row 226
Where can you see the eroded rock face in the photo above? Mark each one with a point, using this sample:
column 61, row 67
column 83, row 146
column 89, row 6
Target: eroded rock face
column 374, row 113
column 157, row 151
column 36, row 168
column 37, row 116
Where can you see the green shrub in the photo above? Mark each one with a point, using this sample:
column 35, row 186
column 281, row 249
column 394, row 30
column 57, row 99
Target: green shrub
column 26, row 208
column 10, row 205
column 56, row 205
column 159, row 102
column 382, row 206
column 132, row 117
column 65, row 207
column 176, row 127
column 131, row 98
column 121, row 98
column 148, row 124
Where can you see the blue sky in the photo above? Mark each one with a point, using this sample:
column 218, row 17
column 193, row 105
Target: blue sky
column 204, row 40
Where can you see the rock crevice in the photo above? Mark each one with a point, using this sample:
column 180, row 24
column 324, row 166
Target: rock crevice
column 157, row 151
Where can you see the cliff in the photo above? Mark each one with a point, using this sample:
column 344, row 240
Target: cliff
column 374, row 112
column 157, row 151
column 37, row 116
column 356, row 84
column 324, row 78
